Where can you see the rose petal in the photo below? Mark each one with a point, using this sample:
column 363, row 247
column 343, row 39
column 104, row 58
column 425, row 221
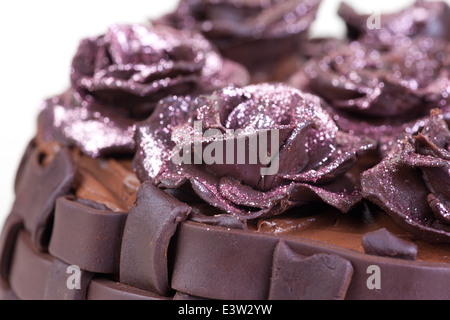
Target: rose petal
column 438, row 181
column 348, row 151
column 440, row 209
column 416, row 199
column 342, row 193
column 399, row 190
column 436, row 130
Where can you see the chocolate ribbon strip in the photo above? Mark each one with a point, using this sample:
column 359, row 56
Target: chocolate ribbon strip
column 87, row 237
column 6, row 292
column 37, row 189
column 151, row 223
column 219, row 263
column 8, row 237
column 39, row 276
column 104, row 289
column 292, row 280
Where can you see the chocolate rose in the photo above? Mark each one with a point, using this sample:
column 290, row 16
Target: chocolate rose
column 251, row 152
column 380, row 93
column 253, row 32
column 134, row 66
column 80, row 120
column 376, row 83
column 423, row 18
column 412, row 184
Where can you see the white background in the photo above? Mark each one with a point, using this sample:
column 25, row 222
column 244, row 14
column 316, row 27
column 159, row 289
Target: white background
column 39, row 38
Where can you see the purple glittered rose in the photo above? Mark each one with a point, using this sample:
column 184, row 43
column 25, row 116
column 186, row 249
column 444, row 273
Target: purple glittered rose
column 422, row 18
column 134, row 66
column 118, row 78
column 381, row 93
column 412, row 184
column 255, row 33
column 214, row 143
column 370, row 82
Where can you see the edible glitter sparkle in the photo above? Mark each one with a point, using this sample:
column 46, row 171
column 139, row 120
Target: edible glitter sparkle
column 239, row 189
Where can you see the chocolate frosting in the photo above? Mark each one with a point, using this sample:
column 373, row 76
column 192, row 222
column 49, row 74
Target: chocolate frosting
column 412, row 183
column 314, row 155
column 253, row 32
column 106, row 181
column 133, row 66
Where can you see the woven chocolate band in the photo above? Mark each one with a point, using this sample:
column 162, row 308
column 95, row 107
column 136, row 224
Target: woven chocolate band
column 220, row 263
column 150, row 226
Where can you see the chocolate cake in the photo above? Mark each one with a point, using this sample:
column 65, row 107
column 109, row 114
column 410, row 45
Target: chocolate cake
column 172, row 170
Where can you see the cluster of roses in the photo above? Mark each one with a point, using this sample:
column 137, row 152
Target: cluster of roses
column 136, row 85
